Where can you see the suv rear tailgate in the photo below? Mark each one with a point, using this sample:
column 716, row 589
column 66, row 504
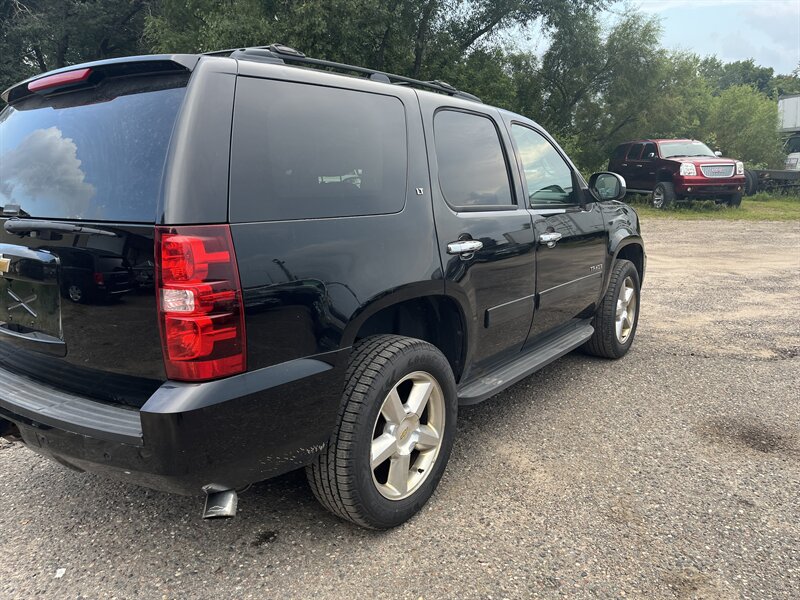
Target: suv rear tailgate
column 80, row 178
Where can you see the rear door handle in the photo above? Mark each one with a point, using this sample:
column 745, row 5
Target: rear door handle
column 550, row 238
column 464, row 247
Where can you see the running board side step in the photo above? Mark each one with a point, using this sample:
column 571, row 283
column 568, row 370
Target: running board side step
column 539, row 356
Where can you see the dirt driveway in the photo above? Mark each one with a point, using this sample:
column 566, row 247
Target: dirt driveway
column 672, row 473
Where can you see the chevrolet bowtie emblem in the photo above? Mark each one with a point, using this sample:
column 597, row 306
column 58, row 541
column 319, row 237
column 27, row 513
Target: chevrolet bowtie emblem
column 5, row 264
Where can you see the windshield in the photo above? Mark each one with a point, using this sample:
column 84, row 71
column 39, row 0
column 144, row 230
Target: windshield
column 98, row 158
column 692, row 148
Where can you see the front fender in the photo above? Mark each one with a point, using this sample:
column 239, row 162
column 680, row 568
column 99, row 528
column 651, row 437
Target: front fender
column 623, row 231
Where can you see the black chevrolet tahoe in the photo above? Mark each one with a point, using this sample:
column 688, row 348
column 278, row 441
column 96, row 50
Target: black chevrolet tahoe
column 343, row 257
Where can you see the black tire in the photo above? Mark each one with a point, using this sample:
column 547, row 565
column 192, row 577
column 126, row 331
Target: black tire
column 605, row 341
column 734, row 200
column 750, row 182
column 663, row 195
column 341, row 477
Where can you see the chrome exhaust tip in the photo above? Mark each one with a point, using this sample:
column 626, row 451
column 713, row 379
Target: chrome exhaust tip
column 220, row 503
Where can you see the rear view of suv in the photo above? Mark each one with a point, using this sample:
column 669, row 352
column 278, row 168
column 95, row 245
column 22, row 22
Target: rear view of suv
column 340, row 262
column 671, row 171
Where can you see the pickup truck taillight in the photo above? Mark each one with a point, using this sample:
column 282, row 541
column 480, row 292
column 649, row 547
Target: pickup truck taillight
column 200, row 307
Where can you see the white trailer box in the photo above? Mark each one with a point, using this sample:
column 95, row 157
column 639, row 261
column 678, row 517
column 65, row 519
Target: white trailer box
column 789, row 111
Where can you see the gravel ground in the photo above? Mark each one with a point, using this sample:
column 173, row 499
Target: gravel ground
column 674, row 473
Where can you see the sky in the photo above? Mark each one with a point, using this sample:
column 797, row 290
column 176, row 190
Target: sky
column 768, row 31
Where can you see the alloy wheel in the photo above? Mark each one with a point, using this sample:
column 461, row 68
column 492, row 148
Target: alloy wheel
column 626, row 310
column 407, row 436
column 658, row 197
column 75, row 293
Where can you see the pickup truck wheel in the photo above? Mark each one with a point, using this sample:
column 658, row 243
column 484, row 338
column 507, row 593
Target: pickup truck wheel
column 616, row 319
column 663, row 195
column 394, row 433
column 734, row 200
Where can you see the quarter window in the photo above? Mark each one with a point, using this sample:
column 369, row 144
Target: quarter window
column 472, row 166
column 547, row 175
column 303, row 151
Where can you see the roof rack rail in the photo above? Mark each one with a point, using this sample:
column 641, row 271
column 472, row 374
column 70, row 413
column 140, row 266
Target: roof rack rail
column 278, row 53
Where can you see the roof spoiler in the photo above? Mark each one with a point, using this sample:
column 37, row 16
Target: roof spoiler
column 91, row 73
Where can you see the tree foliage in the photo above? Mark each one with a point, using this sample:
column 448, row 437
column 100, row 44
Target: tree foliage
column 41, row 35
column 594, row 86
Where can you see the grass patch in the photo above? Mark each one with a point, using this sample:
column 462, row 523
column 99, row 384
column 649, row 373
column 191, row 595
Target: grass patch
column 759, row 207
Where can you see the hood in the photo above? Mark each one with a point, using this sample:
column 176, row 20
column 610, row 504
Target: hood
column 702, row 160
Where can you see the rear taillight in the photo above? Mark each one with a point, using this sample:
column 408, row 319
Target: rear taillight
column 99, row 279
column 199, row 302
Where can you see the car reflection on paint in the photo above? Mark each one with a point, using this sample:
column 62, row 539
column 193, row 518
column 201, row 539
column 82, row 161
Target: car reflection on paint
column 91, row 275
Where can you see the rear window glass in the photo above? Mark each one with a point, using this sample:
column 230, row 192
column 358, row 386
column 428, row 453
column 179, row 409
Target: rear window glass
column 619, row 152
column 110, row 263
column 90, row 155
column 301, row 152
column 472, row 166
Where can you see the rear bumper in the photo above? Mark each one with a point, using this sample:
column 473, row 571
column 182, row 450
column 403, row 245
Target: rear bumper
column 229, row 433
column 705, row 187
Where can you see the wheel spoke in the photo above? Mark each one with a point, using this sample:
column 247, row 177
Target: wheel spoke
column 620, row 308
column 626, row 321
column 619, row 329
column 418, row 398
column 383, row 447
column 392, row 409
column 628, row 295
column 428, row 438
column 398, row 473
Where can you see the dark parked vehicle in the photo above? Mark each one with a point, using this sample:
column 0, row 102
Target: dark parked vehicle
column 91, row 275
column 673, row 171
column 340, row 263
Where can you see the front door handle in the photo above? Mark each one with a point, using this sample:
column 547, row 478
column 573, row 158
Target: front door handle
column 550, row 238
column 464, row 247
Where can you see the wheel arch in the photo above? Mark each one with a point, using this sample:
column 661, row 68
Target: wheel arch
column 664, row 175
column 627, row 247
column 421, row 313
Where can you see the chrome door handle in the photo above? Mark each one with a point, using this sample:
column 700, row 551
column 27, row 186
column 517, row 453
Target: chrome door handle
column 464, row 247
column 550, row 238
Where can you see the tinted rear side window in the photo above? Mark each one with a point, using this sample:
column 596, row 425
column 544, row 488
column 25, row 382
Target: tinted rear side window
column 95, row 155
column 303, row 151
column 472, row 166
column 635, row 151
column 619, row 152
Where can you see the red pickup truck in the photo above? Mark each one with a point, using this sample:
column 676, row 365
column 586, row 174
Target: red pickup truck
column 678, row 170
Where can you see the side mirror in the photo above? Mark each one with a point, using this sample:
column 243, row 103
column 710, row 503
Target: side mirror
column 607, row 186
column 718, row 153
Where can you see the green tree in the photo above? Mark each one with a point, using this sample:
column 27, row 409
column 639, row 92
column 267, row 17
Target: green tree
column 722, row 76
column 40, row 35
column 745, row 125
column 421, row 38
